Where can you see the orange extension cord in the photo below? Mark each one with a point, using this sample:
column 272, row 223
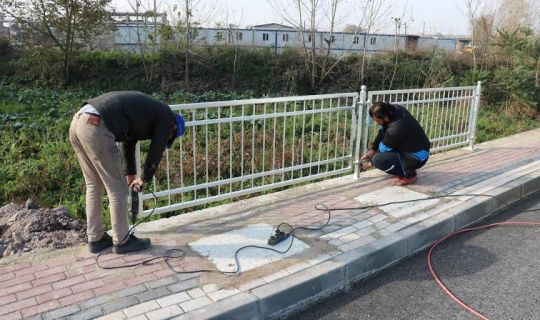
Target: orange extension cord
column 492, row 225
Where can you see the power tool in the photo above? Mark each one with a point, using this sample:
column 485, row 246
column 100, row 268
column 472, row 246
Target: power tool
column 134, row 203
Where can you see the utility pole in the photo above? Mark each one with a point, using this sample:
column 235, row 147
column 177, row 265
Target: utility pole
column 397, row 26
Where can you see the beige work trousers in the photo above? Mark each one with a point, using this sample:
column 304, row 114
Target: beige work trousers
column 100, row 161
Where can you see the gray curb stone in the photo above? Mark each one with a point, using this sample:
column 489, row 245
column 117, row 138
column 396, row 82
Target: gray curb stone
column 274, row 299
column 242, row 306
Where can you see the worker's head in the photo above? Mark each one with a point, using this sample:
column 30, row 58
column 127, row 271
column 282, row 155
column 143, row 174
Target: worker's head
column 381, row 112
column 178, row 129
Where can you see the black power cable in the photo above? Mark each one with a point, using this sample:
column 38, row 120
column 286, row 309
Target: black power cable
column 169, row 254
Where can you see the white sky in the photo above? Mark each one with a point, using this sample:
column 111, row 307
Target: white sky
column 433, row 16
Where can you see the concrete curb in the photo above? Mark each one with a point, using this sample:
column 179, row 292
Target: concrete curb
column 292, row 293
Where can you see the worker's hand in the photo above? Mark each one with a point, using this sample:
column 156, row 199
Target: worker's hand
column 366, row 164
column 130, row 178
column 368, row 155
column 365, row 161
column 136, row 185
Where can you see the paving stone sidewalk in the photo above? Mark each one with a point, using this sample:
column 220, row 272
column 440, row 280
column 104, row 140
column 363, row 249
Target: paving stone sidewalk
column 68, row 283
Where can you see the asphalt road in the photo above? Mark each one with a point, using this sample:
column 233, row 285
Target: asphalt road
column 496, row 271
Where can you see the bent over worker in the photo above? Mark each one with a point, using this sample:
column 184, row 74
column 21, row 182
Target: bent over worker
column 401, row 146
column 125, row 117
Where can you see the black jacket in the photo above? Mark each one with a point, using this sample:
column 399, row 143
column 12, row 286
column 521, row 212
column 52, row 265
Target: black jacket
column 132, row 116
column 403, row 133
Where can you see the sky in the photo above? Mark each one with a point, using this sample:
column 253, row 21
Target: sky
column 420, row 16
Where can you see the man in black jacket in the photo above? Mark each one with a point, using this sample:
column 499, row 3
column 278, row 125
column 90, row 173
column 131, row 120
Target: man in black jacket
column 125, row 117
column 401, row 145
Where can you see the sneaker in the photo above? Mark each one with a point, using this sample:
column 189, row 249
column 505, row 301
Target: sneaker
column 100, row 245
column 401, row 181
column 132, row 244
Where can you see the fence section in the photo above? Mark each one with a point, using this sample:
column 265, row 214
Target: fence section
column 233, row 148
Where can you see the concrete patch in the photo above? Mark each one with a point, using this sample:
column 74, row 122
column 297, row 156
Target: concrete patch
column 392, row 194
column 220, row 249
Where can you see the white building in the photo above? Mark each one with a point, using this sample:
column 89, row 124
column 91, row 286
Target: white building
column 279, row 37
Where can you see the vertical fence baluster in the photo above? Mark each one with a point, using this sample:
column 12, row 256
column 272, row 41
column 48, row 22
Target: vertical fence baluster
column 284, row 141
column 231, row 143
column 328, row 135
column 293, row 137
column 219, row 149
column 336, row 145
column 274, row 144
column 303, row 141
column 264, row 145
column 194, row 149
column 206, row 160
column 181, row 146
column 312, row 136
column 320, row 136
column 242, row 150
column 168, row 175
column 253, row 146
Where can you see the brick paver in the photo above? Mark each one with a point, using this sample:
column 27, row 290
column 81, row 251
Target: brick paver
column 74, row 287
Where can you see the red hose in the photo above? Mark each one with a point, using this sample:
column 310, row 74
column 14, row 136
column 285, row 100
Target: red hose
column 441, row 284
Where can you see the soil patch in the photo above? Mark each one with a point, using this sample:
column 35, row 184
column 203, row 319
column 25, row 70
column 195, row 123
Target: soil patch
column 24, row 230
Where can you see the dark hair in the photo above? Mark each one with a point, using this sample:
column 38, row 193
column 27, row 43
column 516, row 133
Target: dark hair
column 381, row 109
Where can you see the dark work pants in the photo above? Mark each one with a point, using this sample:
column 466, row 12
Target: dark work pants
column 396, row 164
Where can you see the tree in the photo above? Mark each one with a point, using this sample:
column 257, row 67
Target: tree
column 67, row 23
column 191, row 14
column 144, row 11
column 516, row 15
column 315, row 11
column 484, row 34
column 472, row 8
column 371, row 15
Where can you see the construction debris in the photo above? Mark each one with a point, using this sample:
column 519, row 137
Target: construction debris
column 26, row 228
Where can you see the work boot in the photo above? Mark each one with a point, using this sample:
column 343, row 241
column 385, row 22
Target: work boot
column 132, row 244
column 100, row 245
column 401, row 181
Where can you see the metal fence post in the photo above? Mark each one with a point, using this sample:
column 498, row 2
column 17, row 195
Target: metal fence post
column 139, row 173
column 474, row 115
column 360, row 112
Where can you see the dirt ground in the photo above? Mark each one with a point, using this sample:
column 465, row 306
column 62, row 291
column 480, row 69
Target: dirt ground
column 23, row 229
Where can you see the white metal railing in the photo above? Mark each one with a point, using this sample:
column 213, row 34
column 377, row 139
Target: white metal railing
column 234, row 148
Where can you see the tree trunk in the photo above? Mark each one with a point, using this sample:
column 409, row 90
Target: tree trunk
column 537, row 74
column 188, row 39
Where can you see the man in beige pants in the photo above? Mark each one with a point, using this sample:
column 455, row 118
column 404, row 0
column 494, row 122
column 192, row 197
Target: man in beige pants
column 125, row 117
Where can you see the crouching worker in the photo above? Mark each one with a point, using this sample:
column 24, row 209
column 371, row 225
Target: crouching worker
column 124, row 117
column 401, row 145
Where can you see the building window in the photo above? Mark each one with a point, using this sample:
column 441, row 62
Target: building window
column 219, row 36
column 356, row 39
column 239, row 36
column 285, row 37
column 372, row 41
column 265, row 36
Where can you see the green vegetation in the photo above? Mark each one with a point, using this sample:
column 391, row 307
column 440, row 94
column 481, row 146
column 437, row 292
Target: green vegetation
column 36, row 108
